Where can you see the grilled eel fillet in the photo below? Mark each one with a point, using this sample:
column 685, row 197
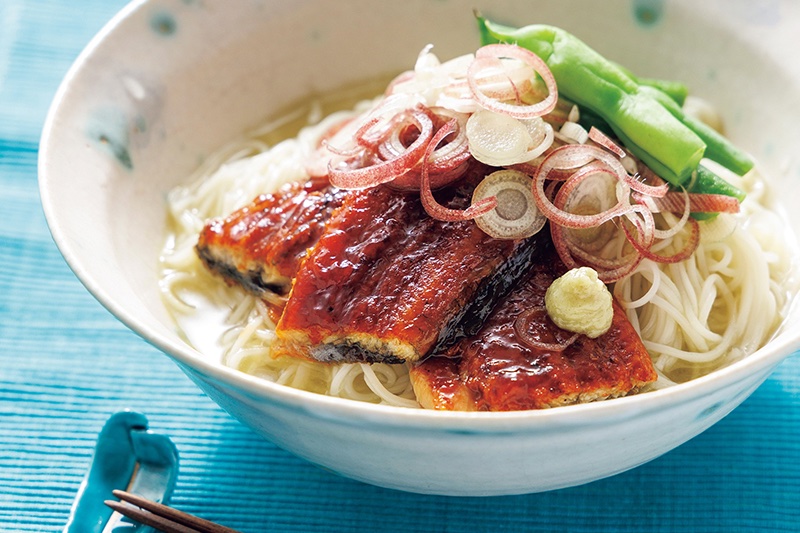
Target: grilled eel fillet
column 372, row 276
column 494, row 370
column 260, row 246
column 388, row 283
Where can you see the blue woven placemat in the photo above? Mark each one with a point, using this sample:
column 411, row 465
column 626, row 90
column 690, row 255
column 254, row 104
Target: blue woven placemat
column 66, row 365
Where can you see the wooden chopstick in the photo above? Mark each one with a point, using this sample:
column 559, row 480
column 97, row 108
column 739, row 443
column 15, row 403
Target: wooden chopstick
column 162, row 517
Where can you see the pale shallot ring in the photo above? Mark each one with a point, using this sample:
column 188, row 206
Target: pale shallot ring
column 567, row 157
column 356, row 149
column 386, row 171
column 646, row 225
column 582, row 152
column 674, row 202
column 552, row 189
column 571, row 220
column 516, row 215
column 684, row 253
column 607, row 271
column 614, row 275
column 371, row 140
column 363, row 140
column 499, row 140
column 603, row 140
column 572, row 159
column 445, row 165
column 410, row 181
column 484, row 57
column 530, row 167
column 612, row 161
column 560, row 244
column 573, row 255
column 457, row 148
column 650, row 203
column 429, row 203
column 587, row 258
column 392, row 145
column 519, row 328
column 391, row 109
column 493, row 86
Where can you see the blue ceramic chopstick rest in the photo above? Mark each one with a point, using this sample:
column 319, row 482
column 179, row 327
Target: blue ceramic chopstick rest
column 128, row 457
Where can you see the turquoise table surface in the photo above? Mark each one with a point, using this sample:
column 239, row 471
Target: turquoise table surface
column 66, row 365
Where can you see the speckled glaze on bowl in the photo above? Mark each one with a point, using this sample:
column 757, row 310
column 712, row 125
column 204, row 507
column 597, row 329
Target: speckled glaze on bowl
column 167, row 82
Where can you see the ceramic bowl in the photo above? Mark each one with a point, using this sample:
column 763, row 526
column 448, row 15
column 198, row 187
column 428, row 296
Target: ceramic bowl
column 166, row 83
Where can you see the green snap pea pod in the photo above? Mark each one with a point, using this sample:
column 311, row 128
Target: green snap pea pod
column 655, row 135
column 589, row 119
column 707, row 182
column 704, row 181
column 718, row 148
column 674, row 89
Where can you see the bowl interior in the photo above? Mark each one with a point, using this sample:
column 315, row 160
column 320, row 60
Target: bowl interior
column 125, row 129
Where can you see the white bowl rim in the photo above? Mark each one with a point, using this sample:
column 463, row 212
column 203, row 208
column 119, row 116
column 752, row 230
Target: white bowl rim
column 599, row 412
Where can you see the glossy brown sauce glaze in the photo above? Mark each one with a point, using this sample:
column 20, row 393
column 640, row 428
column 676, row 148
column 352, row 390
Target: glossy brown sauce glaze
column 385, row 280
column 261, row 245
column 495, row 370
